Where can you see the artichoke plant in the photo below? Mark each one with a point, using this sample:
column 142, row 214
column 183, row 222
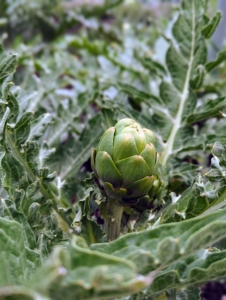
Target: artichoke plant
column 124, row 165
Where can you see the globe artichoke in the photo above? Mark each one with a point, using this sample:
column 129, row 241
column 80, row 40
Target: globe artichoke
column 124, row 162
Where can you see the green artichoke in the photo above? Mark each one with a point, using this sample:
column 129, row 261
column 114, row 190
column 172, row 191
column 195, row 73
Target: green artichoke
column 124, row 162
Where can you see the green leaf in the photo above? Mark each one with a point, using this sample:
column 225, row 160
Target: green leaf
column 96, row 48
column 185, row 53
column 84, row 84
column 196, row 269
column 69, row 157
column 17, row 262
column 7, row 64
column 152, row 65
column 209, row 29
column 210, row 109
column 185, row 293
column 84, row 222
column 39, row 125
column 213, row 64
column 188, row 293
column 85, row 274
column 187, row 237
column 21, row 131
column 9, row 211
column 100, row 9
column 137, row 94
column 18, row 293
column 205, row 195
column 197, row 79
column 21, row 167
column 216, row 177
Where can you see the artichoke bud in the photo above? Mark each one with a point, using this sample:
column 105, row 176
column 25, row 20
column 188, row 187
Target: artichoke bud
column 125, row 162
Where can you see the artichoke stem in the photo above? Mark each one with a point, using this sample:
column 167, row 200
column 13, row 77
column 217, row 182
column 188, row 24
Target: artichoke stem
column 112, row 220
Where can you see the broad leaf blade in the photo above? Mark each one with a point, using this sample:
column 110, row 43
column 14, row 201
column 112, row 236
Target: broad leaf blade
column 185, row 238
column 183, row 57
column 17, row 262
column 85, row 274
column 18, row 293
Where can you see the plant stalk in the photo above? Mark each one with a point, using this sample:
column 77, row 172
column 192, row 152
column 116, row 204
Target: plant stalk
column 112, row 220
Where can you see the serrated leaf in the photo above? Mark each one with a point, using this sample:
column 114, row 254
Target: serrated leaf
column 7, row 64
column 20, row 167
column 219, row 150
column 188, row 236
column 14, row 257
column 137, row 94
column 185, row 53
column 21, row 131
column 152, row 65
column 74, row 153
column 204, row 196
column 184, row 272
column 213, row 64
column 9, row 211
column 39, row 125
column 199, row 267
column 210, row 109
column 14, row 109
column 188, row 293
column 67, row 119
column 6, row 85
column 209, row 29
column 75, row 271
column 90, row 230
column 12, row 171
column 184, row 135
column 84, row 274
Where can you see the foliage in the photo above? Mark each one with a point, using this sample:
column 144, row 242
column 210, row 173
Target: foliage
column 81, row 70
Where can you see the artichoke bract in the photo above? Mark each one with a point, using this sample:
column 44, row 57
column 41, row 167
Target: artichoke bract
column 124, row 162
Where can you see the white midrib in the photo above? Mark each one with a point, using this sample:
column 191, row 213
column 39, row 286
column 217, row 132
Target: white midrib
column 177, row 124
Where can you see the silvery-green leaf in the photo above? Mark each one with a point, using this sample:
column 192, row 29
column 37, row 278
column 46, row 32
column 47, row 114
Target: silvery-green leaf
column 208, row 29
